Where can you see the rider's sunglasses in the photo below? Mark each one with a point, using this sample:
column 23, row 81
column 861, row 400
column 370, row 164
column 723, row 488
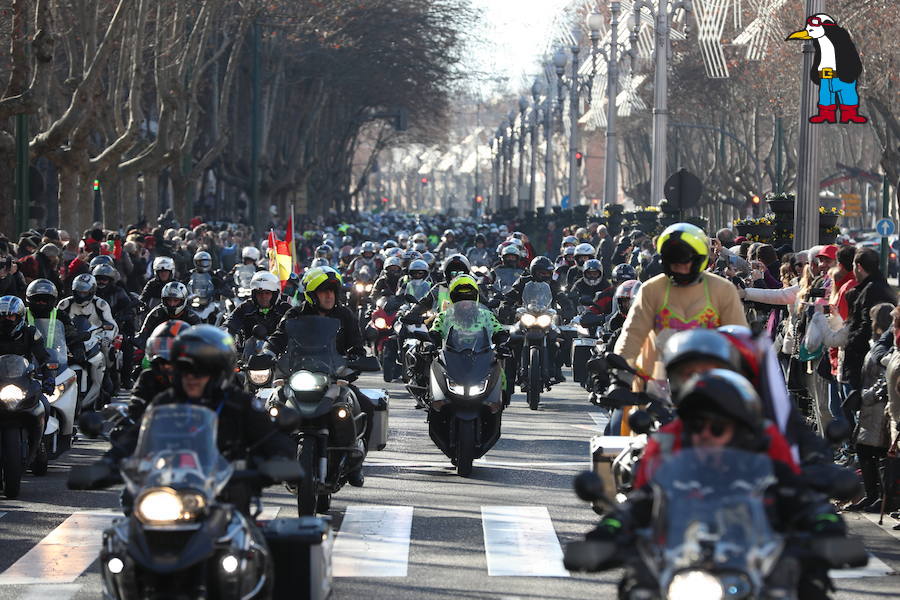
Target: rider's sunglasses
column 717, row 427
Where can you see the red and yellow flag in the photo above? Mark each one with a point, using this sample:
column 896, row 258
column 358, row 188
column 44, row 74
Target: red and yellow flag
column 280, row 260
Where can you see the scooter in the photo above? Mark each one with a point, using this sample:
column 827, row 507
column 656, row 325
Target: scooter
column 465, row 394
column 22, row 421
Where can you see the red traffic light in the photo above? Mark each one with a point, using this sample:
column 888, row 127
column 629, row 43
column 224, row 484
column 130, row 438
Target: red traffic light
column 479, row 199
column 424, row 181
column 384, row 200
column 579, row 155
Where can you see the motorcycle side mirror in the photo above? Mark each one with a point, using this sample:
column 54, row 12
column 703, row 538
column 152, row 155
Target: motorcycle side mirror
column 837, row 432
column 617, row 362
column 588, row 556
column 589, row 487
column 640, row 422
column 260, row 331
column 287, row 471
column 90, row 424
column 840, row 552
column 366, row 364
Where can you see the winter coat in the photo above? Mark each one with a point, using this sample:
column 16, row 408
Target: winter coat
column 874, row 290
column 871, row 428
column 892, row 373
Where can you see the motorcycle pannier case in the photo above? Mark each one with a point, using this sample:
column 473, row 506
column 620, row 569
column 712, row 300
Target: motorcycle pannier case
column 581, row 353
column 301, row 554
column 380, row 400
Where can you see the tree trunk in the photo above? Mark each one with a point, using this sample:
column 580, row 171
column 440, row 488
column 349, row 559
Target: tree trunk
column 180, row 197
column 129, row 200
column 111, row 200
column 70, row 215
column 151, row 197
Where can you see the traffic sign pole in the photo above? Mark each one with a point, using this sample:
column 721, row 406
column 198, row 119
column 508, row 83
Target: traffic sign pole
column 885, row 199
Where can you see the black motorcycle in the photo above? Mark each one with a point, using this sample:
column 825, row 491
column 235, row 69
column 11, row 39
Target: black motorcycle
column 466, row 392
column 331, row 434
column 710, row 534
column 536, row 330
column 181, row 540
column 22, row 420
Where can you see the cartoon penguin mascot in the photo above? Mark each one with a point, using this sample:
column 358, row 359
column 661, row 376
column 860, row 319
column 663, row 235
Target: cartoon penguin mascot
column 836, row 67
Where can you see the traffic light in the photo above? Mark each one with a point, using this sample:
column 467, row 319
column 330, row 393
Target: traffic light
column 96, row 185
column 384, row 200
column 424, row 181
column 579, row 158
column 755, row 200
column 479, row 199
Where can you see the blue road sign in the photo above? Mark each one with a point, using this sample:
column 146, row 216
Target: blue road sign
column 565, row 202
column 885, row 227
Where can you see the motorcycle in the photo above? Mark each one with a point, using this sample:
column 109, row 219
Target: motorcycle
column 60, row 428
column 332, row 428
column 380, row 332
column 536, row 329
column 22, row 421
column 412, row 332
column 257, row 378
column 465, row 396
column 93, row 387
column 181, row 540
column 361, row 291
column 242, row 276
column 710, row 535
column 203, row 298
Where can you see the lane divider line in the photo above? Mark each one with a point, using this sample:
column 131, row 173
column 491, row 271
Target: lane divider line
column 373, row 542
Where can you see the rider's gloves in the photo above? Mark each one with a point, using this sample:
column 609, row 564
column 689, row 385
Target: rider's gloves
column 828, row 524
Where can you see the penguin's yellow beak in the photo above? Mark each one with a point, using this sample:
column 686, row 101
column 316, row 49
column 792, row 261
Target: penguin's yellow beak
column 799, row 35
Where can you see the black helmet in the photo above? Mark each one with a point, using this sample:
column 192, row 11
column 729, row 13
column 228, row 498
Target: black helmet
column 724, row 393
column 204, row 350
column 40, row 288
column 541, row 269
column 455, row 264
column 622, row 273
column 592, row 266
column 479, row 237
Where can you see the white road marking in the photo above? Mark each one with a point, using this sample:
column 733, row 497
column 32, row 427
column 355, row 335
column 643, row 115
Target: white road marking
column 875, row 568
column 64, row 554
column 57, row 592
column 520, row 541
column 601, row 419
column 373, row 542
column 2, row 514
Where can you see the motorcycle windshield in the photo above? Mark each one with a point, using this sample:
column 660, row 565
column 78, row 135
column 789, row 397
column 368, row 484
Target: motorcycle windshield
column 506, row 277
column 537, row 296
column 13, row 366
column 365, row 274
column 711, row 508
column 418, row 289
column 467, row 351
column 243, row 275
column 201, row 288
column 312, row 345
column 55, row 341
column 177, row 449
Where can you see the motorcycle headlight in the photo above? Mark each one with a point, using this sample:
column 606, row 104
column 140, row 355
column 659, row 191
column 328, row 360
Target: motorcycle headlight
column 695, row 585
column 455, row 388
column 380, row 323
column 11, row 394
column 165, row 506
column 360, row 287
column 368, row 287
column 305, row 381
column 544, row 321
column 528, row 320
column 261, row 376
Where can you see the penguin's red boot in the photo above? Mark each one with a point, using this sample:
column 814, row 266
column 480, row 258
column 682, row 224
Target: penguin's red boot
column 849, row 114
column 827, row 114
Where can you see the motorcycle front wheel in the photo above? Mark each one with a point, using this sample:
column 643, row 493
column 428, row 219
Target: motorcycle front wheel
column 307, row 487
column 535, row 380
column 465, row 448
column 11, row 462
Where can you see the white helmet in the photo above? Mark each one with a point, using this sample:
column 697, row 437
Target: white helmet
column 585, row 249
column 175, row 289
column 265, row 280
column 251, row 253
column 163, row 263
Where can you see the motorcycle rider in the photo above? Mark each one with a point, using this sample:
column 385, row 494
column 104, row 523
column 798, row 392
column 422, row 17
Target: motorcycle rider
column 85, row 303
column 266, row 308
column 448, row 245
column 565, row 262
column 40, row 300
column 464, row 288
column 591, row 282
column 203, row 268
column 583, row 253
column 122, row 307
column 621, row 304
column 18, row 337
column 478, row 254
column 159, row 369
column 386, row 284
column 204, row 358
column 603, row 300
column 366, row 256
column 717, row 409
column 174, row 306
column 163, row 273
column 417, row 271
column 250, row 256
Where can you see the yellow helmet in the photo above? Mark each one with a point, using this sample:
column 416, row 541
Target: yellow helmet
column 320, row 278
column 463, row 287
column 683, row 243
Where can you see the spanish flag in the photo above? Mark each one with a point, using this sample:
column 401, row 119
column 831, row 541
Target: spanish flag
column 279, row 258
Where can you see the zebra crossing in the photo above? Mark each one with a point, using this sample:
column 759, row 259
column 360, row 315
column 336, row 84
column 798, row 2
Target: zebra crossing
column 372, row 541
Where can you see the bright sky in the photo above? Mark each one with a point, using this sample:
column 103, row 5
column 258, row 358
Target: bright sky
column 515, row 34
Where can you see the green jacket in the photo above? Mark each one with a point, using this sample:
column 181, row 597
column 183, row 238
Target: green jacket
column 486, row 320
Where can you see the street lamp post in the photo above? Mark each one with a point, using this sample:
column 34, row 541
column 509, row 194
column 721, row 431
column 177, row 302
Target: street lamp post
column 663, row 17
column 536, row 90
column 520, row 200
